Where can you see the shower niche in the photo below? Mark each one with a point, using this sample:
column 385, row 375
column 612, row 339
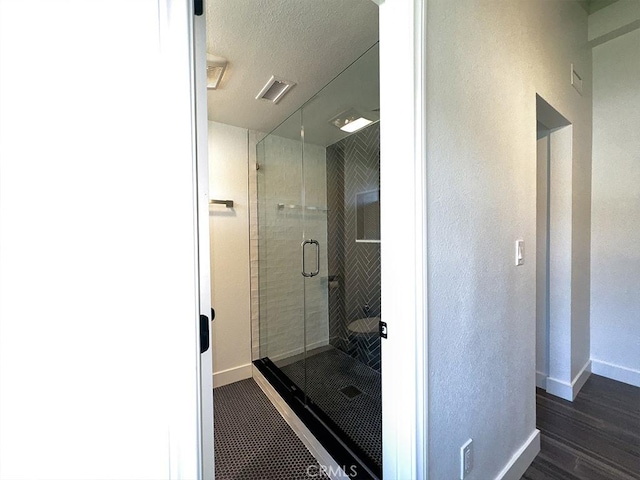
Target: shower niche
column 318, row 265
column 368, row 216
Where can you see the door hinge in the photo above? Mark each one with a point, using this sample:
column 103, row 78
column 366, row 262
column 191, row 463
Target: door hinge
column 382, row 328
column 204, row 333
column 198, row 7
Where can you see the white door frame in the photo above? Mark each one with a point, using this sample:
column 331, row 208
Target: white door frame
column 183, row 32
column 403, row 177
column 201, row 149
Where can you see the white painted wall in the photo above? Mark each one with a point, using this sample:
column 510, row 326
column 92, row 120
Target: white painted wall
column 560, row 348
column 615, row 255
column 542, row 156
column 486, row 61
column 555, row 350
column 230, row 291
column 98, row 281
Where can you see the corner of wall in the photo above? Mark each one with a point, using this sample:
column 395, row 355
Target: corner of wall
column 520, row 461
column 569, row 390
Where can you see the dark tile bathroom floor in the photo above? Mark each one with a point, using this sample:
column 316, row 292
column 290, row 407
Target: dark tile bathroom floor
column 252, row 440
column 330, row 373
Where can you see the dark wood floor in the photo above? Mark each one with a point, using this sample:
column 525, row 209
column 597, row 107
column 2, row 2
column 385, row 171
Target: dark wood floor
column 595, row 437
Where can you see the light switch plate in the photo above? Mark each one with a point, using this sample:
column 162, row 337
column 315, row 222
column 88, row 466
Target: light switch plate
column 519, row 252
column 466, row 459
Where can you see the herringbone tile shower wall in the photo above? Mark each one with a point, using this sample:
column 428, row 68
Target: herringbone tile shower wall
column 353, row 166
column 335, row 237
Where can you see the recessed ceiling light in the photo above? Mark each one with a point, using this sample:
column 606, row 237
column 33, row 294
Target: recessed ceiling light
column 356, row 124
column 275, row 89
column 352, row 120
column 216, row 67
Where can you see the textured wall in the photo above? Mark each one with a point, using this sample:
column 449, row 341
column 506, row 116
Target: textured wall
column 353, row 166
column 486, row 60
column 293, row 310
column 615, row 256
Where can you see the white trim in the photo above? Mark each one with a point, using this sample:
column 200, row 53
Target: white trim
column 580, row 379
column 333, row 470
column 616, row 372
column 541, row 380
column 231, row 375
column 521, row 460
column 403, row 175
column 569, row 391
column 201, row 175
column 559, row 388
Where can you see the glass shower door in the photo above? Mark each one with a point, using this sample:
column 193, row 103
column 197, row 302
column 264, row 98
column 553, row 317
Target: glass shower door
column 341, row 192
column 319, row 262
column 280, row 234
column 315, row 258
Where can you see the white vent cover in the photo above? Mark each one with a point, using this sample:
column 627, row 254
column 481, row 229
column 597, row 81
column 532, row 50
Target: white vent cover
column 275, row 89
column 216, row 67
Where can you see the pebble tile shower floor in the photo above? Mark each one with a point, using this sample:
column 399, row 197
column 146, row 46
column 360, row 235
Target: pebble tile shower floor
column 252, row 440
column 359, row 416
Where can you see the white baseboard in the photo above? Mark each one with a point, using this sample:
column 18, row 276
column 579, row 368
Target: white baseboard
column 581, row 378
column 541, row 380
column 566, row 390
column 616, row 372
column 559, row 388
column 331, row 467
column 521, row 459
column 232, row 375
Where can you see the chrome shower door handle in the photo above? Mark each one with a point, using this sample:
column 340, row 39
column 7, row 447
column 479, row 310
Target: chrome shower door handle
column 304, row 269
column 317, row 270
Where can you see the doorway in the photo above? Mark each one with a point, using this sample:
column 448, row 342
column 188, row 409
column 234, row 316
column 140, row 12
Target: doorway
column 405, row 450
column 553, row 250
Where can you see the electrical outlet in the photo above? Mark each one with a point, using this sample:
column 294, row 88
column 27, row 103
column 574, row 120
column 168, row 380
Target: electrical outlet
column 466, row 459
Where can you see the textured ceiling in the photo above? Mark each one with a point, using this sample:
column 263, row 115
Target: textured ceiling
column 306, row 41
column 356, row 87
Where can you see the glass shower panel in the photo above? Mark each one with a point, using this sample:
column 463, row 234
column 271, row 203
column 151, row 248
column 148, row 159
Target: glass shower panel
column 342, row 302
column 319, row 280
column 280, row 232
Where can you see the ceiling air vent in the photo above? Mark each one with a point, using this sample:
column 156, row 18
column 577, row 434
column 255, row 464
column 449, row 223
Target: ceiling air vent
column 275, row 89
column 216, row 67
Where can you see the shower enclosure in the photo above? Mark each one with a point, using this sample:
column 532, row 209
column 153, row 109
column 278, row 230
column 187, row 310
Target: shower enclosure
column 319, row 264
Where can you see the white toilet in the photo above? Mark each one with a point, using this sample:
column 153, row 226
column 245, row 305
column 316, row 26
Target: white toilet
column 364, row 326
column 364, row 341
